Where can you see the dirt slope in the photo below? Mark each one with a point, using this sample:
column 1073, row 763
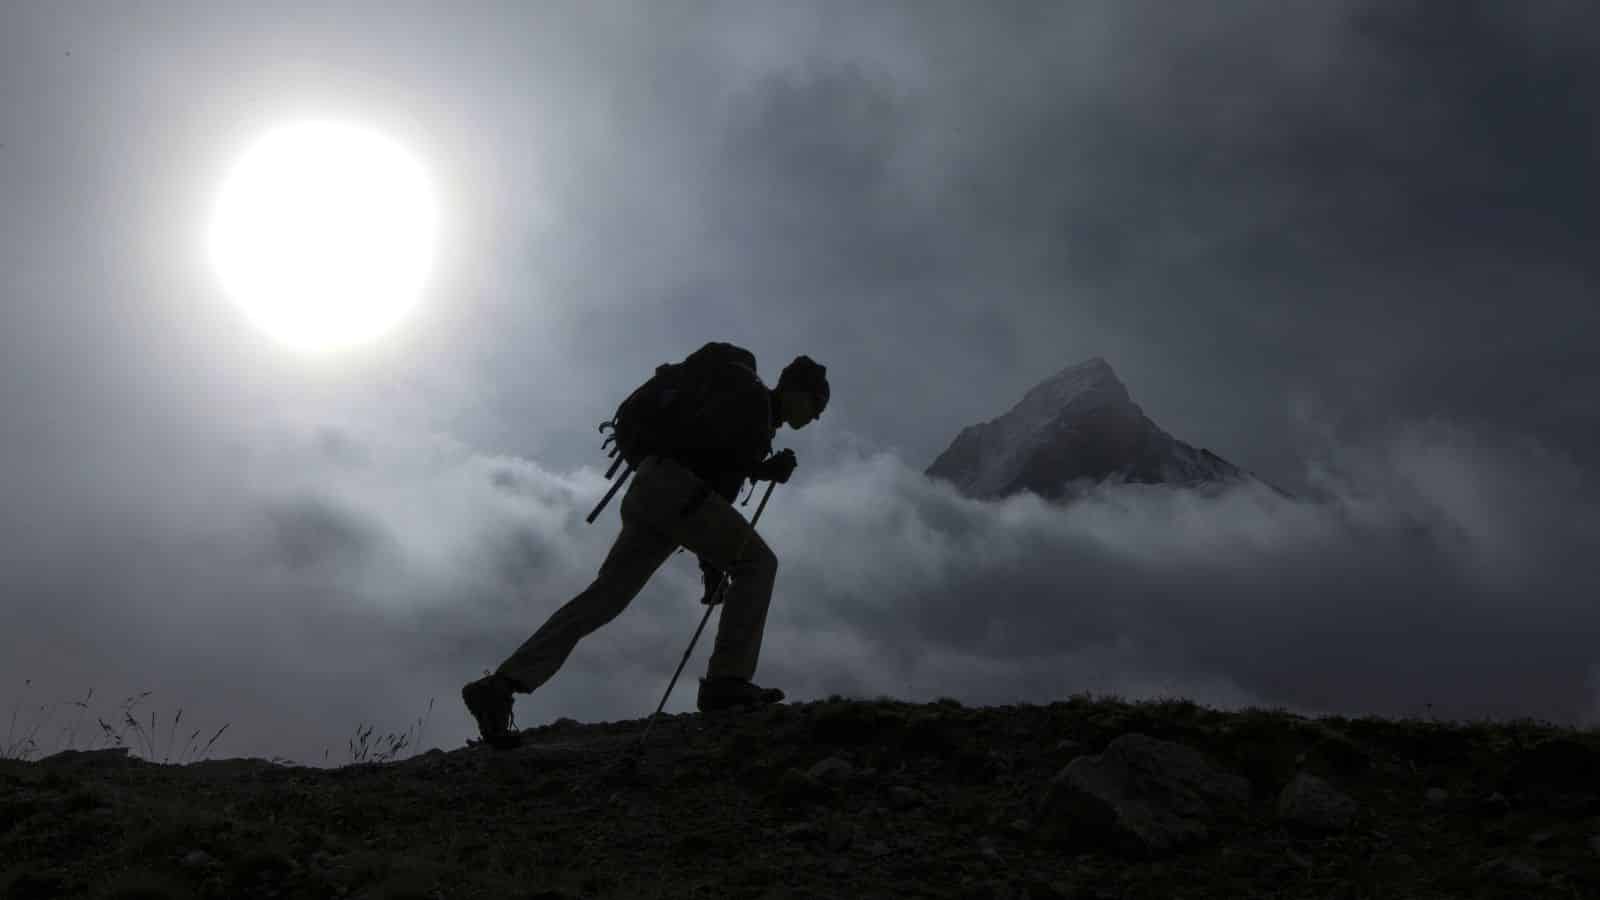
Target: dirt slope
column 828, row 799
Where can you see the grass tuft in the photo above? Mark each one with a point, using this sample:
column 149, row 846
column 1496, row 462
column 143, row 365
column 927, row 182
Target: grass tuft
column 142, row 736
column 25, row 746
column 387, row 748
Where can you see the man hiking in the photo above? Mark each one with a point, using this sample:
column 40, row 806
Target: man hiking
column 683, row 499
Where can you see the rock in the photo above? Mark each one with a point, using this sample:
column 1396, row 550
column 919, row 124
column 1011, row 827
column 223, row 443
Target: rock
column 831, row 770
column 1436, row 797
column 1142, row 795
column 198, row 859
column 877, row 849
column 1495, row 804
column 1069, row 747
column 797, row 789
column 1342, row 754
column 76, row 759
column 999, row 762
column 987, row 850
column 1516, row 872
column 802, row 831
column 1310, row 802
column 902, row 798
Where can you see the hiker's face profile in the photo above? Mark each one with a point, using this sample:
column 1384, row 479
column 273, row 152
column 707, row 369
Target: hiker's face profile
column 799, row 408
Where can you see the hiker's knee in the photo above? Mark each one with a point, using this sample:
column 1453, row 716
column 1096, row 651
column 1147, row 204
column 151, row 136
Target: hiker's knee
column 609, row 595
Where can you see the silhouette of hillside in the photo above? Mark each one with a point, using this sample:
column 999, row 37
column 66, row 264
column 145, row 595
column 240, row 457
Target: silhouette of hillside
column 1083, row 798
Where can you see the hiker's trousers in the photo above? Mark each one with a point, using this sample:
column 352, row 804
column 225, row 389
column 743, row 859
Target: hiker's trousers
column 666, row 507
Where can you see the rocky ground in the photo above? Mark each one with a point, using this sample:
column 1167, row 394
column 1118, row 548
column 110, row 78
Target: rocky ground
column 1084, row 798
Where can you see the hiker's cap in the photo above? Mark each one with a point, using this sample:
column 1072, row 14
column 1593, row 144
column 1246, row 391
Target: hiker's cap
column 808, row 375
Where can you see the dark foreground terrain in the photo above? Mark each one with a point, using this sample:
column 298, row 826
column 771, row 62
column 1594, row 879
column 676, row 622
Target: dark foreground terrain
column 1084, row 798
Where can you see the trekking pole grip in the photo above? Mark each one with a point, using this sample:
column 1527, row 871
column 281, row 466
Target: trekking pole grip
column 764, row 498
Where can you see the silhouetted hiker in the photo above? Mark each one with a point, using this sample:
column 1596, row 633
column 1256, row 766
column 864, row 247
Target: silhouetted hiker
column 683, row 498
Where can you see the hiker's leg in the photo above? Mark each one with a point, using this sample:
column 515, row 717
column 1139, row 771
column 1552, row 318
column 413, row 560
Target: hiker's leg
column 744, row 613
column 676, row 504
column 637, row 553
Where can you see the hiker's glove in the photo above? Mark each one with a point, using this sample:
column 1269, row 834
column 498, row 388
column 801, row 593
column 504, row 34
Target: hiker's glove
column 778, row 468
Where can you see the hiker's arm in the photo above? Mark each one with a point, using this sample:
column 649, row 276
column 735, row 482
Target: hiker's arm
column 752, row 438
column 738, row 434
column 730, row 438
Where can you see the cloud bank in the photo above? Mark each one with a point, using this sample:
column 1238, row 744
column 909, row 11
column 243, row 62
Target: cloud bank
column 346, row 575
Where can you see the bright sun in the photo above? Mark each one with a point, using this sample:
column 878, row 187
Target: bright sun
column 324, row 234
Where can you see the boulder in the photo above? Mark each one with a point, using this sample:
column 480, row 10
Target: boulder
column 1312, row 803
column 1512, row 872
column 1142, row 795
column 832, row 770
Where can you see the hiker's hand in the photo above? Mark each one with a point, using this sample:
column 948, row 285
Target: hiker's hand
column 711, row 577
column 779, row 467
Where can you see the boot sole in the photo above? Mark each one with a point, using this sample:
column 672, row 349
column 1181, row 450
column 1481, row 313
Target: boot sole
column 503, row 740
column 739, row 706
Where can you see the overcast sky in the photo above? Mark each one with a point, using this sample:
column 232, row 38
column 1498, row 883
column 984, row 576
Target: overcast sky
column 1340, row 244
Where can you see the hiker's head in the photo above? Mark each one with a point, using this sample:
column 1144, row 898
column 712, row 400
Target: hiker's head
column 802, row 391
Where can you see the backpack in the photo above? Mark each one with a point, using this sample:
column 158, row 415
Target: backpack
column 652, row 418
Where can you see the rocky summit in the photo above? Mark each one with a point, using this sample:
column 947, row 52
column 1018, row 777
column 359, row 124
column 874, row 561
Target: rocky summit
column 1082, row 799
column 1078, row 427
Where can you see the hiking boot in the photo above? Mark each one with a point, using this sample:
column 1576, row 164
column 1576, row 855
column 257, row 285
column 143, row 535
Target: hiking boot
column 731, row 693
column 490, row 700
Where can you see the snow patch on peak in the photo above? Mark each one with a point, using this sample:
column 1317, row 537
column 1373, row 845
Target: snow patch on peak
column 988, row 456
column 1075, row 389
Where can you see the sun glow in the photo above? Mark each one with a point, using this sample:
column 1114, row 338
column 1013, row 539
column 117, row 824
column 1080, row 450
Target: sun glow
column 324, row 233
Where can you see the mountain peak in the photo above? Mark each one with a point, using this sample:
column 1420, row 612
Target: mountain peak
column 1093, row 362
column 1079, row 424
column 1087, row 385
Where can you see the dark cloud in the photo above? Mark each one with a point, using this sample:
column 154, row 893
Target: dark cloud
column 311, row 534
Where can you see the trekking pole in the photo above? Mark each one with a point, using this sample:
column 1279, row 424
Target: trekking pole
column 712, row 602
column 611, row 493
